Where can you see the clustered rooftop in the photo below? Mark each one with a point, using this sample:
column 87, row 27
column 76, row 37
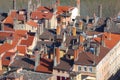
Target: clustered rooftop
column 48, row 41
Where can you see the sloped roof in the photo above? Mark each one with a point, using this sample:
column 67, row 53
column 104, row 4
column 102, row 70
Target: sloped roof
column 21, row 49
column 63, row 9
column 8, row 20
column 32, row 23
column 6, row 58
column 40, row 15
column 28, row 42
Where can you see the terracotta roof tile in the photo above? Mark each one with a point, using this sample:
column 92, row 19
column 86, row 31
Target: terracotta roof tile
column 15, row 15
column 7, row 28
column 110, row 43
column 6, row 58
column 5, row 47
column 5, row 35
column 39, row 15
column 32, row 23
column 8, row 20
column 62, row 9
column 21, row 33
column 21, row 49
column 28, row 41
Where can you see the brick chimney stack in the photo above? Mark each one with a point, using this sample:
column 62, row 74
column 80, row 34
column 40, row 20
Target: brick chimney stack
column 78, row 6
column 76, row 52
column 81, row 39
column 74, row 31
column 58, row 30
column 81, row 25
column 57, row 52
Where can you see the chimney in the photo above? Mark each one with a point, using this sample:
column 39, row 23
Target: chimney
column 81, row 25
column 87, row 19
column 81, row 48
column 103, row 40
column 94, row 17
column 74, row 31
column 45, row 49
column 76, row 52
column 109, row 35
column 78, row 6
column 100, row 10
column 0, row 64
column 37, row 59
column 29, row 9
column 97, row 50
column 81, row 39
column 14, row 4
column 57, row 52
column 58, row 30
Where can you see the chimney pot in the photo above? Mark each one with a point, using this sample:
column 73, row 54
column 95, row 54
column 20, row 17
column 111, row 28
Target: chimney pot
column 57, row 51
column 74, row 31
column 58, row 30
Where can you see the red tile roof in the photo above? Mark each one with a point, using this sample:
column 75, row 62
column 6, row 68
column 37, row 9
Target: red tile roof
column 8, row 20
column 62, row 9
column 28, row 42
column 17, row 16
column 4, row 35
column 112, row 42
column 6, row 58
column 39, row 15
column 21, row 49
column 21, row 33
column 5, row 47
column 32, row 23
column 7, row 28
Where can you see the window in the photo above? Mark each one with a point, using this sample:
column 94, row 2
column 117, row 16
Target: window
column 90, row 69
column 79, row 68
column 85, row 68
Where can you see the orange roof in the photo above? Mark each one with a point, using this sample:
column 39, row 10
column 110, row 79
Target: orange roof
column 6, row 58
column 15, row 15
column 32, row 23
column 28, row 42
column 8, row 20
column 62, row 9
column 110, row 43
column 6, row 28
column 5, row 47
column 39, row 15
column 21, row 49
column 6, row 34
column 21, row 33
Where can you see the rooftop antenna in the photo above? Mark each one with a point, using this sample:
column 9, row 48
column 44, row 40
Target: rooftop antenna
column 14, row 4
